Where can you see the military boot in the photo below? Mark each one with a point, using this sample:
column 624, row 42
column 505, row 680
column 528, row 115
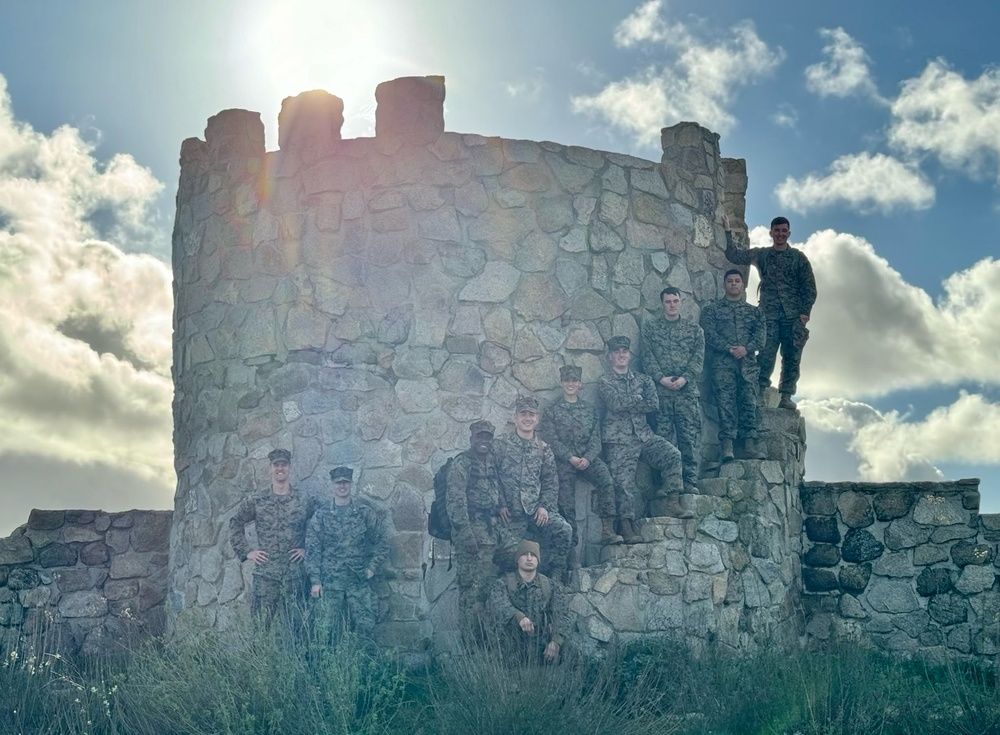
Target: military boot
column 787, row 402
column 608, row 535
column 727, row 450
column 674, row 509
column 750, row 450
column 629, row 536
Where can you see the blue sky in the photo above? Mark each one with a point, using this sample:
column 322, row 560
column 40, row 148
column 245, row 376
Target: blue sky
column 874, row 126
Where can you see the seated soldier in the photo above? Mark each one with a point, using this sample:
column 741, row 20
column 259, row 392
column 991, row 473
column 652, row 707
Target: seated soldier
column 528, row 610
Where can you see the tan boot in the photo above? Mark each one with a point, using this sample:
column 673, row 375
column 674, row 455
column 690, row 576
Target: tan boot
column 608, row 535
column 787, row 402
column 750, row 450
column 727, row 450
column 629, row 536
column 674, row 509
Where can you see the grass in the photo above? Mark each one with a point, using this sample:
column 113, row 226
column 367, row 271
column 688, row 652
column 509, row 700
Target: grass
column 250, row 680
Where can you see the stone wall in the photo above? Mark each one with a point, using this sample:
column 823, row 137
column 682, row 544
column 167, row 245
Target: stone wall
column 910, row 567
column 85, row 579
column 361, row 301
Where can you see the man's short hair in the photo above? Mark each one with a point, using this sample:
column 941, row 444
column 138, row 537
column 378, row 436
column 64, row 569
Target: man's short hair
column 733, row 272
column 780, row 221
column 673, row 290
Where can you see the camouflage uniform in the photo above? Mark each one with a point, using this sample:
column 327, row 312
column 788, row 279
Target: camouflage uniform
column 787, row 289
column 528, row 480
column 572, row 430
column 548, row 612
column 677, row 349
column 729, row 323
column 278, row 583
column 473, row 501
column 342, row 542
column 627, row 437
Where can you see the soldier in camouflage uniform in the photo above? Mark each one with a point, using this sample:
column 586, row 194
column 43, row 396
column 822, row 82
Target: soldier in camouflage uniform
column 734, row 332
column 627, row 397
column 529, row 490
column 673, row 353
column 346, row 547
column 569, row 425
column 787, row 295
column 280, row 515
column 473, row 503
column 528, row 610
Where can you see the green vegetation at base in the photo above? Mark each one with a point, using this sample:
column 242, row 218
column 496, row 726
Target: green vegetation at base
column 249, row 680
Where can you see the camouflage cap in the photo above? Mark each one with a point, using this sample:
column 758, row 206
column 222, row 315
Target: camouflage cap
column 526, row 403
column 276, row 455
column 570, row 372
column 524, row 547
column 341, row 473
column 619, row 341
column 482, row 427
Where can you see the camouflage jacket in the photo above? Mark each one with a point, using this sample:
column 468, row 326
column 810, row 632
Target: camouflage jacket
column 528, row 600
column 527, row 470
column 626, row 400
column 787, row 285
column 473, row 490
column 281, row 527
column 733, row 323
column 571, row 429
column 673, row 349
column 342, row 542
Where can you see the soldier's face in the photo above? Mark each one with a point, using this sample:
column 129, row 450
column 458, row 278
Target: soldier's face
column 671, row 305
column 734, row 286
column 620, row 358
column 341, row 489
column 527, row 562
column 481, row 443
column 779, row 234
column 526, row 420
column 570, row 387
column 279, row 471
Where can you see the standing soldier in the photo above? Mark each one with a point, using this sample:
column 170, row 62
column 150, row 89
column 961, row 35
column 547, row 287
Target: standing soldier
column 528, row 609
column 787, row 295
column 280, row 515
column 473, row 502
column 735, row 331
column 673, row 353
column 569, row 425
column 345, row 547
column 627, row 397
column 529, row 489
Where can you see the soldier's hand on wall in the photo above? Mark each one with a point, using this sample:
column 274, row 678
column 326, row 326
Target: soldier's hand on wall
column 257, row 556
column 526, row 625
column 297, row 555
column 552, row 651
column 541, row 516
column 505, row 514
column 316, row 590
column 725, row 222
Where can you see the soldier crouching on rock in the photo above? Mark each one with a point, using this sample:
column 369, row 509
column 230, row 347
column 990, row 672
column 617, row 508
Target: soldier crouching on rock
column 528, row 610
column 346, row 547
column 280, row 515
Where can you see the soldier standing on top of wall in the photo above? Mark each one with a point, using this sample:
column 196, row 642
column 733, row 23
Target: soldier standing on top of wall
column 280, row 514
column 346, row 547
column 627, row 397
column 734, row 332
column 570, row 426
column 529, row 490
column 673, row 353
column 787, row 295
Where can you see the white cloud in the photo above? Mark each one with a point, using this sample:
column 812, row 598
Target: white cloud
column 863, row 182
column 698, row 82
column 786, row 116
column 845, row 72
column 529, row 88
column 953, row 118
column 873, row 333
column 85, row 328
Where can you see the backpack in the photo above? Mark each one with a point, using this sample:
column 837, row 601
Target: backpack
column 438, row 523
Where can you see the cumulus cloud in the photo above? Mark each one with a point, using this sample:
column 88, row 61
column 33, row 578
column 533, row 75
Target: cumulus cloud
column 786, row 116
column 874, row 333
column 85, row 327
column 845, row 71
column 943, row 114
column 698, row 80
column 863, row 182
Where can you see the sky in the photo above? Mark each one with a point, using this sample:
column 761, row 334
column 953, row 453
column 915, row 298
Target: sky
column 873, row 126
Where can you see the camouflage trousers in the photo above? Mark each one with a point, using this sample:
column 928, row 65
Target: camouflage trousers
column 735, row 386
column 658, row 453
column 679, row 422
column 598, row 475
column 474, row 572
column 354, row 608
column 279, row 599
column 554, row 538
column 788, row 335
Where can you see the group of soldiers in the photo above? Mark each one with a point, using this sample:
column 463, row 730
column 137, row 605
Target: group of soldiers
column 511, row 499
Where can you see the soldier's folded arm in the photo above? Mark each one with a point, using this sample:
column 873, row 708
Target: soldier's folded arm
column 650, row 398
